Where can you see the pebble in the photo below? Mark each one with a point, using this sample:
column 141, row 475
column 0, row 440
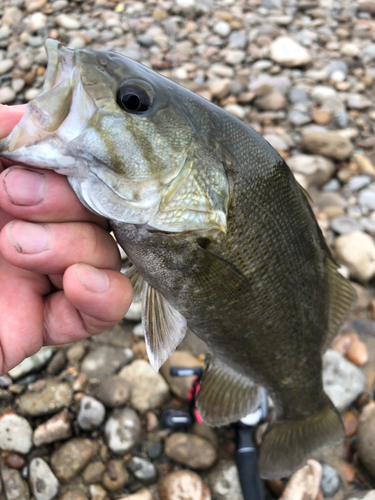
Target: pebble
column 104, row 361
column 37, row 21
column 67, row 22
column 56, row 428
column 330, row 144
column 113, row 392
column 15, row 488
column 43, row 482
column 97, row 492
column 72, row 456
column 15, row 433
column 135, row 310
column 188, row 482
column 359, row 101
column 190, row 450
column 297, row 94
column 350, row 423
column 343, row 382
column 304, row 484
column 358, row 182
column 330, row 482
column 148, row 388
column 76, row 352
column 298, row 118
column 320, row 116
column 14, row 461
column 366, row 198
column 115, row 475
column 180, row 386
column 93, row 473
column 272, row 102
column 224, row 481
column 316, row 169
column 219, row 88
column 288, row 52
column 91, row 413
column 33, row 363
column 142, row 494
column 6, row 65
column 143, row 470
column 356, row 251
column 123, row 430
column 53, row 397
column 357, row 352
column 76, row 494
column 222, row 28
column 366, row 438
column 344, row 225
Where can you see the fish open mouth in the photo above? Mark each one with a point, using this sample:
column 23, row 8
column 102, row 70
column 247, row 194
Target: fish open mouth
column 57, row 116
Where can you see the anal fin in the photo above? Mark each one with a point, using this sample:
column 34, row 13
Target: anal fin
column 225, row 395
column 164, row 326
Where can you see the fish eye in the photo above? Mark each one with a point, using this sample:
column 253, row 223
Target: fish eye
column 134, row 98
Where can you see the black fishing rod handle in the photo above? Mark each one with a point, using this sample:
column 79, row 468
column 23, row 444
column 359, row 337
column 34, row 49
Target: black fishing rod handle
column 246, row 459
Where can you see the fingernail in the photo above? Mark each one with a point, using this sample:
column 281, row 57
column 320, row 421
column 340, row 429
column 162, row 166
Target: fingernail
column 94, row 280
column 24, row 187
column 28, row 238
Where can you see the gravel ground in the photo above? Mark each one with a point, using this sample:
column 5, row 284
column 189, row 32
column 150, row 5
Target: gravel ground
column 83, row 421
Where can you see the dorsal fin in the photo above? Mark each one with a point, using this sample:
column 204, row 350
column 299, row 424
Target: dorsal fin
column 164, row 327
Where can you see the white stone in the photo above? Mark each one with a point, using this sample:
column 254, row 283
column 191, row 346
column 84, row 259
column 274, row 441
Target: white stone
column 323, row 92
column 43, row 482
column 15, row 434
column 37, row 21
column 304, row 484
column 30, row 94
column 356, row 251
column 7, row 95
column 6, row 65
column 350, row 49
column 288, row 52
column 32, row 363
column 222, row 28
column 316, row 169
column 123, row 430
column 138, row 330
column 91, row 413
column 343, row 382
column 18, row 84
column 67, row 22
column 236, row 110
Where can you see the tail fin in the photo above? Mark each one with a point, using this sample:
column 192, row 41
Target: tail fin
column 288, row 444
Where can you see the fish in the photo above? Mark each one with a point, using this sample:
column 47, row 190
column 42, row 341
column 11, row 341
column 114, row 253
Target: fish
column 222, row 238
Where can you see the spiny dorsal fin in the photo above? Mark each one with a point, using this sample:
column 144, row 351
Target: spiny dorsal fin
column 164, row 327
column 136, row 280
column 226, row 396
column 341, row 298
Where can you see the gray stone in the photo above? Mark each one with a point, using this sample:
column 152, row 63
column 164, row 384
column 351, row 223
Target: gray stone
column 53, row 397
column 367, row 225
column 366, row 199
column 224, row 481
column 330, row 481
column 358, row 182
column 330, row 144
column 148, row 388
column 143, row 470
column 237, row 40
column 359, row 101
column 105, row 360
column 279, row 84
column 332, row 185
column 113, row 392
column 272, row 4
column 43, row 482
column 235, row 57
column 298, row 118
column 342, row 119
column 344, row 224
column 297, row 94
column 123, row 430
column 276, row 142
column 33, row 363
column 91, row 413
column 368, row 53
column 15, row 434
column 343, row 381
column 15, row 488
column 366, row 438
column 146, row 40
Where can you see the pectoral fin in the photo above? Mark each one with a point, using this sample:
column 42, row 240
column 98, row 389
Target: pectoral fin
column 164, row 327
column 136, row 280
column 226, row 396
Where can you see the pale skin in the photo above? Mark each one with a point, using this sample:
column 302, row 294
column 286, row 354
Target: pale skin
column 59, row 266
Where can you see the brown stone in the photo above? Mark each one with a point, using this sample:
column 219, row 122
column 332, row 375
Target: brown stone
column 330, row 144
column 115, row 475
column 320, row 116
column 68, row 460
column 172, row 486
column 73, row 494
column 55, row 429
column 357, row 352
column 350, row 424
column 93, row 473
column 190, row 450
column 349, row 472
column 14, row 461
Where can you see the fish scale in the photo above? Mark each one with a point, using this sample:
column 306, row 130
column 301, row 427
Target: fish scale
column 222, row 238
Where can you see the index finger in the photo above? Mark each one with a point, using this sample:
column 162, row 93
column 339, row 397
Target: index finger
column 9, row 117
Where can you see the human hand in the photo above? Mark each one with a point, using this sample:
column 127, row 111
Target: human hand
column 59, row 266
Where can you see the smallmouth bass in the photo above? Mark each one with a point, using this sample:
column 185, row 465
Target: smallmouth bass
column 222, row 237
